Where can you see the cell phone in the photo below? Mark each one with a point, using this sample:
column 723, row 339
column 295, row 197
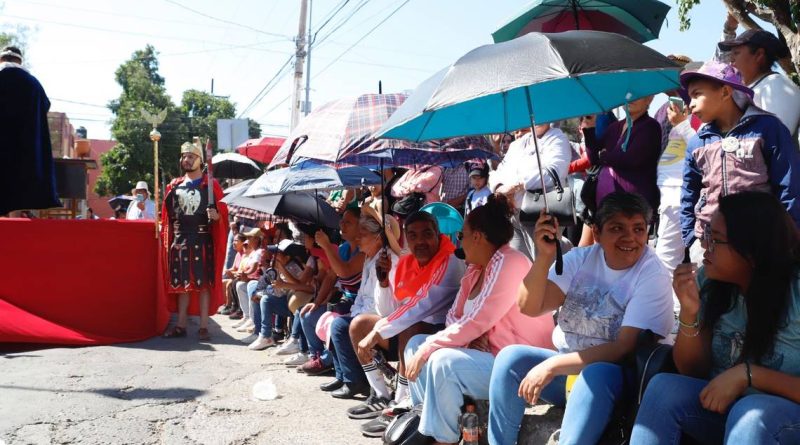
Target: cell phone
column 678, row 102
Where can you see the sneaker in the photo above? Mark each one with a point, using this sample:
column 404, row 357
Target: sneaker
column 246, row 326
column 315, row 366
column 249, row 339
column 370, row 409
column 261, row 343
column 240, row 323
column 296, row 360
column 223, row 308
column 226, row 311
column 289, row 347
column 376, row 426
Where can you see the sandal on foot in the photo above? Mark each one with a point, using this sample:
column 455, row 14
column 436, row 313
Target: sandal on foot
column 203, row 334
column 175, row 332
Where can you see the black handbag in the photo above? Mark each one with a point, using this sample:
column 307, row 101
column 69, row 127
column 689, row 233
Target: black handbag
column 560, row 200
column 408, row 204
column 589, row 193
column 402, row 427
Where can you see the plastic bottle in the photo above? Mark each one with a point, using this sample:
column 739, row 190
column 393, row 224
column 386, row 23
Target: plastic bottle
column 470, row 427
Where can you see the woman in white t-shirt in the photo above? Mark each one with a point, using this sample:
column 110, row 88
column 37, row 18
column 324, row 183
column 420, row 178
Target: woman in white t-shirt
column 607, row 294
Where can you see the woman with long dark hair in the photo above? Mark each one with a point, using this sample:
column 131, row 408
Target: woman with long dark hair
column 738, row 346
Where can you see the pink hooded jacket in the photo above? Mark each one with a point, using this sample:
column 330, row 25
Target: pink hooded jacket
column 494, row 311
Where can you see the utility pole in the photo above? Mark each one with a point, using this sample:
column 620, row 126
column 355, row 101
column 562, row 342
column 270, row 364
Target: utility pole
column 307, row 105
column 298, row 65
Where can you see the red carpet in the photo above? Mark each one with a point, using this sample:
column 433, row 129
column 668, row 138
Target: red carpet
column 79, row 282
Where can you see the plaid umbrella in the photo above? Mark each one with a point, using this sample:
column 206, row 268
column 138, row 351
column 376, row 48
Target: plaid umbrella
column 343, row 131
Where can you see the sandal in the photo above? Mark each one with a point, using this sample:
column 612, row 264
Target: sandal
column 175, row 332
column 203, row 334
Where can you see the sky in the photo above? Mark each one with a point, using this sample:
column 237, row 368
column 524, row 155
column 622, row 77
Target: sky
column 74, row 47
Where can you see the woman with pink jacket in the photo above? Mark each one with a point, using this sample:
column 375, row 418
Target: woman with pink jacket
column 444, row 367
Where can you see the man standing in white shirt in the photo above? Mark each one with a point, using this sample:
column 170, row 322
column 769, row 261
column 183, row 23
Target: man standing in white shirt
column 754, row 53
column 519, row 172
column 142, row 207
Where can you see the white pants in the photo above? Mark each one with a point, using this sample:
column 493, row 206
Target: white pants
column 244, row 300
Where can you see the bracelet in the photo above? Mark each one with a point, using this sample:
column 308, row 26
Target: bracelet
column 749, row 374
column 694, row 325
column 696, row 333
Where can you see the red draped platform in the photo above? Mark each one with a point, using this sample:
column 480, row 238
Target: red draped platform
column 80, row 282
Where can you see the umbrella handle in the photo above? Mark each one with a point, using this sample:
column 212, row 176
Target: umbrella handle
column 559, row 258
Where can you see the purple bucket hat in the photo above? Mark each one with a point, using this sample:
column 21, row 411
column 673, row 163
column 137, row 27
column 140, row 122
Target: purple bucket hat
column 718, row 72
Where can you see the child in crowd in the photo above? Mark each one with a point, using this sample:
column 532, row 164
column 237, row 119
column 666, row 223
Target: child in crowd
column 479, row 183
column 741, row 147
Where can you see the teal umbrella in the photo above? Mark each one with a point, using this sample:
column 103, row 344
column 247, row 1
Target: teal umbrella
column 534, row 78
column 640, row 20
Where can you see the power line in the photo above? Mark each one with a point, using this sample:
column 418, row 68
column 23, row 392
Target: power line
column 268, row 87
column 226, row 21
column 70, row 7
column 113, row 31
column 79, row 103
column 336, row 59
column 339, row 25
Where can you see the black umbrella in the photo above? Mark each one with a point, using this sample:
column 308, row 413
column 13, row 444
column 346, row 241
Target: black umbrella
column 234, row 166
column 302, row 206
column 120, row 202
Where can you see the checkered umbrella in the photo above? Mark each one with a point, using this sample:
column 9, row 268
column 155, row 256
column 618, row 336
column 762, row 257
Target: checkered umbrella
column 343, row 131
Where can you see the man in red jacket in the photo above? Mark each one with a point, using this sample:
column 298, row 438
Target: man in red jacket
column 193, row 230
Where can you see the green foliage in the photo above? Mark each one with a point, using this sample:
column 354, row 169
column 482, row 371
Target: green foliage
column 253, row 129
column 684, row 7
column 131, row 159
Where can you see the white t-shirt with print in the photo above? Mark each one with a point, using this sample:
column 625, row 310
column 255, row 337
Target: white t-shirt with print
column 600, row 300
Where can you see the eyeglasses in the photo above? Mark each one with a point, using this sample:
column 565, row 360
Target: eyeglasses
column 709, row 240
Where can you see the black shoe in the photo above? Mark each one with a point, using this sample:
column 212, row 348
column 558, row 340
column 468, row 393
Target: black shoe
column 418, row 438
column 331, row 386
column 370, row 409
column 350, row 391
column 376, row 427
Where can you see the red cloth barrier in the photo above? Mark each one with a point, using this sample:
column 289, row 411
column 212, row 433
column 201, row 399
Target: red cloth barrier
column 80, row 282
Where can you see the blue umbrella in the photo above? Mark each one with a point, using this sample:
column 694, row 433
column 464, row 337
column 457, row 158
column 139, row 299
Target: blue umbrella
column 310, row 175
column 413, row 157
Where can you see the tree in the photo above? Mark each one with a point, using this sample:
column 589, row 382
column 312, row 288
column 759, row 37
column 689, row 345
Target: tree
column 200, row 111
column 253, row 129
column 131, row 160
column 783, row 14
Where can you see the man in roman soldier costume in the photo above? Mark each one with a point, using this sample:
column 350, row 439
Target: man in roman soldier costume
column 194, row 232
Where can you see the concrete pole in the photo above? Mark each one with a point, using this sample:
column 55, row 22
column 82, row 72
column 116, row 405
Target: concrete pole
column 307, row 106
column 299, row 59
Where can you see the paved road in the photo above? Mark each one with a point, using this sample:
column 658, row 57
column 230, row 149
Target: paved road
column 165, row 392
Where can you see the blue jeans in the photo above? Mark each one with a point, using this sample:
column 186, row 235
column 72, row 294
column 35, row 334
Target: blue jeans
column 345, row 362
column 297, row 331
column 671, row 406
column 591, row 401
column 230, row 252
column 449, row 375
column 315, row 344
column 270, row 306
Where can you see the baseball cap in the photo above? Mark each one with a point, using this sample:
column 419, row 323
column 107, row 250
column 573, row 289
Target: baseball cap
column 254, row 233
column 288, row 247
column 477, row 168
column 759, row 38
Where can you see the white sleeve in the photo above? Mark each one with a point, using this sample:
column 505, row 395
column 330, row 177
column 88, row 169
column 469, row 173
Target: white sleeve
column 651, row 305
column 556, row 153
column 385, row 302
column 573, row 260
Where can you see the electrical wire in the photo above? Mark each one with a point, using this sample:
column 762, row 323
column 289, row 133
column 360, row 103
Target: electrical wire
column 200, row 13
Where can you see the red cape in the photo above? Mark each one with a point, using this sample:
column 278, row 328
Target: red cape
column 219, row 236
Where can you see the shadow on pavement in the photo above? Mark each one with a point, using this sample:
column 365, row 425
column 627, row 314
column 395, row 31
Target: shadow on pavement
column 126, row 393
